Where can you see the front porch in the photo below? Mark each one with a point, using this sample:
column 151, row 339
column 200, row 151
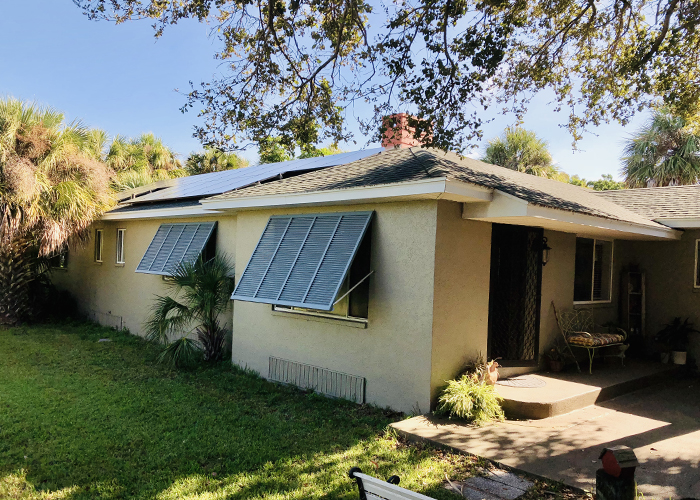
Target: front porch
column 561, row 393
column 660, row 422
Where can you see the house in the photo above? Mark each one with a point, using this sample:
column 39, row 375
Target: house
column 375, row 275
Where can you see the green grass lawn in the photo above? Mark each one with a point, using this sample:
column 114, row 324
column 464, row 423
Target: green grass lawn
column 86, row 419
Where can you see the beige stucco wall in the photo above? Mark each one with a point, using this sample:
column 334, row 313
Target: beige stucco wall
column 557, row 285
column 115, row 294
column 461, row 305
column 669, row 267
column 394, row 352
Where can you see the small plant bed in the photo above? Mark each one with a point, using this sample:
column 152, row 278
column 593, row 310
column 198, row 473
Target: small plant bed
column 84, row 419
column 471, row 397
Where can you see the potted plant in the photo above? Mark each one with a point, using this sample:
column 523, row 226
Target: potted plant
column 556, row 357
column 672, row 340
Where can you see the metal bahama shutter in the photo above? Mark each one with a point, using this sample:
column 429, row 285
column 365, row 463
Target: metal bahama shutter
column 302, row 260
column 173, row 244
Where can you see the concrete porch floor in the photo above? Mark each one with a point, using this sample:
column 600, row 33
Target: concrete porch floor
column 662, row 424
column 568, row 391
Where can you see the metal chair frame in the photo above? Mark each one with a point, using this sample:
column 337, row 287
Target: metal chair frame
column 581, row 321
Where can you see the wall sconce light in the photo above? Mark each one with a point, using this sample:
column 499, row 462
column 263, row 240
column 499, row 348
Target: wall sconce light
column 545, row 251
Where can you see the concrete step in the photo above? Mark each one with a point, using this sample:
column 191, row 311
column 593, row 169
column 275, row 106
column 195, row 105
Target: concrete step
column 566, row 392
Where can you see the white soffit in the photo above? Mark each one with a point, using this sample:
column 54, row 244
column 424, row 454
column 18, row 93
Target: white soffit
column 160, row 213
column 680, row 223
column 508, row 209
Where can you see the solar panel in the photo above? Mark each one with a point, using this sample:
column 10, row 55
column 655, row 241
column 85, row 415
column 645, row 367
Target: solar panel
column 221, row 182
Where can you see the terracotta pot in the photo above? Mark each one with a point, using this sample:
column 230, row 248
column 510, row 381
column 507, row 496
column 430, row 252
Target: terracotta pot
column 679, row 357
column 556, row 365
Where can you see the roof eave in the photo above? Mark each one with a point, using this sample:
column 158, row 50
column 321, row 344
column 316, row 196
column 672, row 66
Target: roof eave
column 508, row 209
column 160, row 213
column 435, row 188
column 680, row 222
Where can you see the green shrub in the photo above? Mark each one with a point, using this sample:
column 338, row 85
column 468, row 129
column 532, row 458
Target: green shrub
column 470, row 399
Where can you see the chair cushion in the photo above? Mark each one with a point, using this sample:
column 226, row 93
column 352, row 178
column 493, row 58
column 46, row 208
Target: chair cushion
column 586, row 339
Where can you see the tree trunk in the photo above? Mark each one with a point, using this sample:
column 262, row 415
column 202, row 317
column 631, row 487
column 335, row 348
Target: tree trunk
column 16, row 275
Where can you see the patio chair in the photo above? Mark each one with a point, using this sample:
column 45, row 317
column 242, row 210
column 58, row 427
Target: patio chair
column 579, row 330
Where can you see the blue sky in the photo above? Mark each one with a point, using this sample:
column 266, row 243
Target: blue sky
column 120, row 79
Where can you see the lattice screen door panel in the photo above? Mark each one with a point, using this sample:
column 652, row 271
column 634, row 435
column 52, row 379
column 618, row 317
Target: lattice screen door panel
column 515, row 293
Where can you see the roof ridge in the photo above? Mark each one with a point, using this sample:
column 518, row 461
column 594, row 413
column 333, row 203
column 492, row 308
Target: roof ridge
column 430, row 171
column 654, row 188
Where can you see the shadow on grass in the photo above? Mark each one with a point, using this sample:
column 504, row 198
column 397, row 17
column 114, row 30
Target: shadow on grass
column 86, row 419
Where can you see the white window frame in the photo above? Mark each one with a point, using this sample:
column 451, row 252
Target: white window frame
column 612, row 262
column 324, row 314
column 696, row 278
column 121, row 234
column 318, row 314
column 98, row 249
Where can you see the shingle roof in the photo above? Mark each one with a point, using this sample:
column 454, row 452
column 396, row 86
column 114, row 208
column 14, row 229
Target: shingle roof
column 403, row 165
column 658, row 203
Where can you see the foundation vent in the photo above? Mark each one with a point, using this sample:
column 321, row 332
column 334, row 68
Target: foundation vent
column 321, row 380
column 106, row 319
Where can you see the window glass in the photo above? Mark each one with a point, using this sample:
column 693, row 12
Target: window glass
column 358, row 306
column 120, row 245
column 584, row 270
column 592, row 278
column 697, row 263
column 60, row 261
column 98, row 245
column 602, row 270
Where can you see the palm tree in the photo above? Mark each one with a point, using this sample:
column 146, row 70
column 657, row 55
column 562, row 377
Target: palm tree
column 141, row 161
column 213, row 160
column 202, row 291
column 52, row 187
column 665, row 152
column 521, row 150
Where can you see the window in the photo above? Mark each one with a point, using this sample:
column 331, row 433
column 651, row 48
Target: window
column 60, row 260
column 120, row 246
column 98, row 245
column 697, row 263
column 593, row 275
column 311, row 264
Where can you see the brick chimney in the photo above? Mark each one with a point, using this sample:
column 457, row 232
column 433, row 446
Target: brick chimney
column 397, row 133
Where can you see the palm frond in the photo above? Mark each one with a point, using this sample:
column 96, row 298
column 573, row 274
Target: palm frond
column 521, row 150
column 665, row 151
column 180, row 353
column 169, row 318
column 201, row 293
column 49, row 175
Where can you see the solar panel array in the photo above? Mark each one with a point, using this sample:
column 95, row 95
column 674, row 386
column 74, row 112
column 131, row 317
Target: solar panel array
column 198, row 186
column 302, row 260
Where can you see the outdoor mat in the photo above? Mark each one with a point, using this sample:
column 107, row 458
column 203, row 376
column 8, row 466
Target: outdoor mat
column 524, row 381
